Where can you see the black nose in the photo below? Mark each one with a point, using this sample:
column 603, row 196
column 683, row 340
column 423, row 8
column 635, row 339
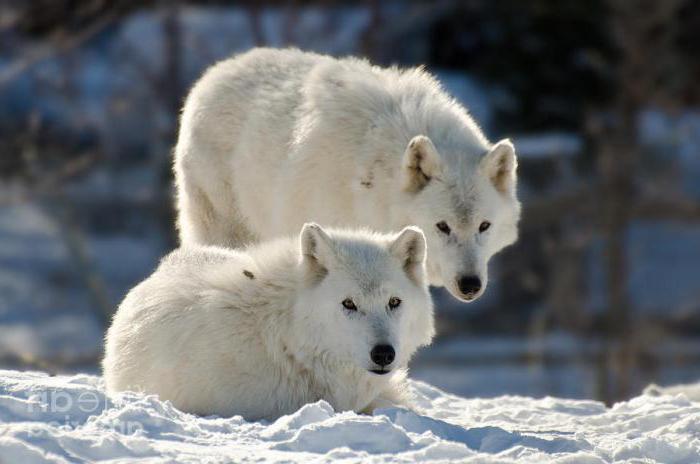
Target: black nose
column 469, row 285
column 383, row 355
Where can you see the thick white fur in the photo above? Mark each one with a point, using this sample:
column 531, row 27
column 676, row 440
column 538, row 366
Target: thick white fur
column 272, row 139
column 261, row 332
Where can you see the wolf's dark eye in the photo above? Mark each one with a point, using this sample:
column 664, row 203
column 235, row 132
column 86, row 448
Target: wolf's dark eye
column 349, row 304
column 394, row 302
column 443, row 227
column 484, row 226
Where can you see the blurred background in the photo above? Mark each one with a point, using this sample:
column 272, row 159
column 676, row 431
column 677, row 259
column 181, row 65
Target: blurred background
column 600, row 296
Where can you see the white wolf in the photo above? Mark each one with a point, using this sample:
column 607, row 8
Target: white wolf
column 261, row 332
column 275, row 138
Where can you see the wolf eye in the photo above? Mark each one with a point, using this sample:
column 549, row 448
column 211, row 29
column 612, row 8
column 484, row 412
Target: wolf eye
column 394, row 302
column 349, row 304
column 443, row 227
column 484, row 226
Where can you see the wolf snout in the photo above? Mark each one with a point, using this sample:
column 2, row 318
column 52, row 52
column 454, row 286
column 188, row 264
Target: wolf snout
column 469, row 286
column 383, row 355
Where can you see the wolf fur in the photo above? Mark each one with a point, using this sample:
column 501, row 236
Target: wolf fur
column 272, row 139
column 263, row 331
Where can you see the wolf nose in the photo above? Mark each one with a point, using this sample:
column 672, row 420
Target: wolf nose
column 383, row 355
column 469, row 285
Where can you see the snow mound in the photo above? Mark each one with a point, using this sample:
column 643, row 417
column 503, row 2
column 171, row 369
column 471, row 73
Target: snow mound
column 71, row 419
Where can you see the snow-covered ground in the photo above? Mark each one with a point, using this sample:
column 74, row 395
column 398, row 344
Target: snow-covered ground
column 70, row 419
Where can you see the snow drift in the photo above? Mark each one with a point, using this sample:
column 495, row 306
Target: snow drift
column 70, row 419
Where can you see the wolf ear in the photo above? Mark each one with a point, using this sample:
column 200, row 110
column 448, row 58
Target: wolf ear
column 421, row 162
column 410, row 248
column 316, row 249
column 500, row 164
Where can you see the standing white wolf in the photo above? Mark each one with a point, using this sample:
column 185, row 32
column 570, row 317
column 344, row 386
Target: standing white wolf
column 275, row 138
column 262, row 332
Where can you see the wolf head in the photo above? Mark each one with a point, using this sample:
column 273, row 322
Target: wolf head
column 364, row 299
column 467, row 207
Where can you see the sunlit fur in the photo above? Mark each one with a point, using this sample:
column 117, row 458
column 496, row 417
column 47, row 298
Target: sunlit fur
column 263, row 331
column 275, row 138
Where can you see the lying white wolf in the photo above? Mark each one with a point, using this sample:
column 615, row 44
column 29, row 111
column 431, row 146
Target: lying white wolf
column 262, row 332
column 275, row 138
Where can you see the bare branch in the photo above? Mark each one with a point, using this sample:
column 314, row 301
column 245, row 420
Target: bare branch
column 60, row 43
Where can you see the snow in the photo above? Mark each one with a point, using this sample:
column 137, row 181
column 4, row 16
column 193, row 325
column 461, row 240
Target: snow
column 548, row 145
column 45, row 310
column 558, row 363
column 673, row 247
column 70, row 419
